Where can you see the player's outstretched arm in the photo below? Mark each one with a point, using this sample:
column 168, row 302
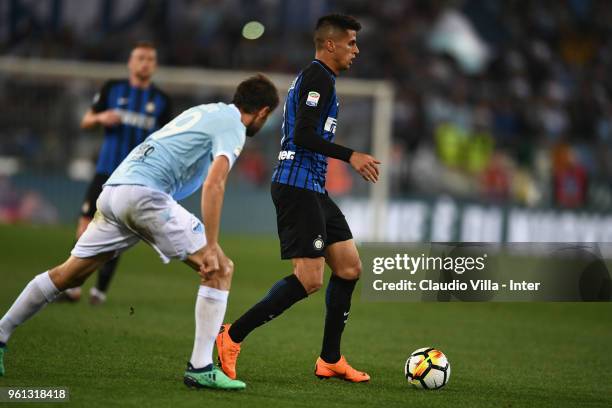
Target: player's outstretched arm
column 365, row 165
column 212, row 203
column 307, row 138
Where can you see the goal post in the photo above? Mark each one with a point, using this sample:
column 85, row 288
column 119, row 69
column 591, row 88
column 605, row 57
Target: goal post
column 380, row 92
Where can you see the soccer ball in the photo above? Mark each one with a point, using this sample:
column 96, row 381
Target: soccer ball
column 427, row 368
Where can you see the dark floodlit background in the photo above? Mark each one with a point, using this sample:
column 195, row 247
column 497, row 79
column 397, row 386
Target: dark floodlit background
column 501, row 114
column 494, row 119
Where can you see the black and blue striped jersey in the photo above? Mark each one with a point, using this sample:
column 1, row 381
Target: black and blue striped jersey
column 142, row 111
column 309, row 126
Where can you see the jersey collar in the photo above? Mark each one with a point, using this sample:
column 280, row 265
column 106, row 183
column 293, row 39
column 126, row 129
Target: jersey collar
column 236, row 111
column 328, row 69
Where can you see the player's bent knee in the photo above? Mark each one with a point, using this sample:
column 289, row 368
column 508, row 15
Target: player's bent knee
column 227, row 270
column 355, row 271
column 351, row 272
column 312, row 283
column 221, row 278
column 309, row 272
column 313, row 287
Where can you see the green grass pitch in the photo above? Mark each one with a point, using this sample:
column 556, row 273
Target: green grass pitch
column 133, row 350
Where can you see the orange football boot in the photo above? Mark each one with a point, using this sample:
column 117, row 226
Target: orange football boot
column 340, row 369
column 227, row 351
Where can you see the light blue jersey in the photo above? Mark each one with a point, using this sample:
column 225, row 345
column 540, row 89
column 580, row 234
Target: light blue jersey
column 175, row 159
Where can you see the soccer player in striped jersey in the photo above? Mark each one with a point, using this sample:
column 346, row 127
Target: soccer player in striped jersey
column 129, row 110
column 311, row 227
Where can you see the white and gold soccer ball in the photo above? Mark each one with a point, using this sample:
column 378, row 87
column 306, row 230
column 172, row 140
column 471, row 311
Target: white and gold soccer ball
column 427, row 368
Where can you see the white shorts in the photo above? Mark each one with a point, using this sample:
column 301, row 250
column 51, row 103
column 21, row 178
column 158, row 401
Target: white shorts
column 129, row 213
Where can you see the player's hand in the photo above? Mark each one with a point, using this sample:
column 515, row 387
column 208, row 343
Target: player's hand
column 211, row 260
column 109, row 118
column 365, row 165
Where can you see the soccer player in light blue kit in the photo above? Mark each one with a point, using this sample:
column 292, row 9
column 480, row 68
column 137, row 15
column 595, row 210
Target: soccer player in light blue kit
column 197, row 148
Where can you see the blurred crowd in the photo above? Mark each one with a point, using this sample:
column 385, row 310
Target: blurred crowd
column 523, row 116
column 24, row 205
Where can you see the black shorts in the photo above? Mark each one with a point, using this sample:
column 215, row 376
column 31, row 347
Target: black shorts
column 88, row 208
column 307, row 221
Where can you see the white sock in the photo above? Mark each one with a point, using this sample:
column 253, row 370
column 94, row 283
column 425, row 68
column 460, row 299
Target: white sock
column 33, row 298
column 209, row 312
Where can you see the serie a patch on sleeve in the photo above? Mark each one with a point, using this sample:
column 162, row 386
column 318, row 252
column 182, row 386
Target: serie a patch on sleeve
column 313, row 98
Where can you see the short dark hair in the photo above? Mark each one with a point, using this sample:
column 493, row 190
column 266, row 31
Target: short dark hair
column 144, row 44
column 339, row 21
column 255, row 93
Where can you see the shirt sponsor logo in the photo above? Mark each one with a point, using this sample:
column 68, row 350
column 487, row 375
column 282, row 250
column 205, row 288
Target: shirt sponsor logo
column 313, row 98
column 330, row 125
column 136, row 119
column 286, row 155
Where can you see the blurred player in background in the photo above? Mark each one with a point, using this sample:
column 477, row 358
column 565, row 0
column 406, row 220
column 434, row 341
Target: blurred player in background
column 198, row 148
column 311, row 227
column 129, row 110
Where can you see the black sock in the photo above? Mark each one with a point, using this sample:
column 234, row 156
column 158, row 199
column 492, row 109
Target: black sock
column 338, row 301
column 281, row 296
column 105, row 274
